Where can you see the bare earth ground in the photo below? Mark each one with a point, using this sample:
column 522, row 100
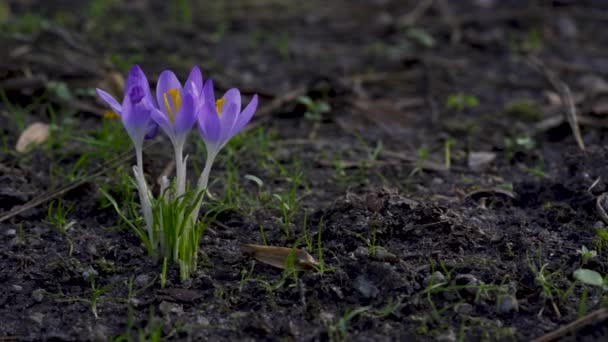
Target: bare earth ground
column 482, row 248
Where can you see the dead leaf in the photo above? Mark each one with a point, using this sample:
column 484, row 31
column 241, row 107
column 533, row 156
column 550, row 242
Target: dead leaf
column 490, row 192
column 594, row 85
column 34, row 134
column 478, row 160
column 600, row 107
column 116, row 82
column 277, row 256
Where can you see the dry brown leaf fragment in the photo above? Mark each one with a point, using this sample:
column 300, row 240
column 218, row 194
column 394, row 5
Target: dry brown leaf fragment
column 480, row 159
column 34, row 134
column 116, row 82
column 277, row 256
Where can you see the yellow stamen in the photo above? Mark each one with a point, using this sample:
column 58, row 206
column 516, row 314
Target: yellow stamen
column 110, row 114
column 177, row 98
column 176, row 102
column 218, row 106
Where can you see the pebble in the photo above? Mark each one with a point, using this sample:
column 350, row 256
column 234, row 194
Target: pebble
column 507, row 304
column 167, row 308
column 92, row 249
column 361, row 252
column 463, row 308
column 89, row 272
column 437, row 181
column 449, row 336
column 327, row 317
column 17, row 288
column 37, row 317
column 383, row 255
column 100, row 333
column 366, row 287
column 142, row 280
column 467, row 280
column 435, row 278
column 202, row 321
column 38, row 295
column 11, row 232
column 478, row 160
column 567, row 26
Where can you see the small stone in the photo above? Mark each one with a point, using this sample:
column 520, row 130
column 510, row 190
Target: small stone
column 567, row 26
column 374, row 202
column 100, row 333
column 38, row 295
column 37, row 317
column 11, row 232
column 463, row 308
column 17, row 288
column 449, row 336
column 594, row 85
column 438, row 181
column 337, row 290
column 134, row 301
column 435, row 278
column 142, row 280
column 366, row 287
column 598, row 225
column 479, row 160
column 327, row 317
column 507, row 304
column 383, row 255
column 202, row 321
column 92, row 249
column 469, row 281
column 89, row 272
column 166, row 308
column 361, row 252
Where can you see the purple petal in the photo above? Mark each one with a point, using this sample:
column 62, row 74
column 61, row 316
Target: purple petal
column 246, row 114
column 136, row 119
column 137, row 78
column 233, row 96
column 136, row 94
column 208, row 95
column 209, row 124
column 184, row 120
column 111, row 101
column 195, row 78
column 163, row 121
column 152, row 130
column 166, row 82
column 228, row 119
column 136, row 115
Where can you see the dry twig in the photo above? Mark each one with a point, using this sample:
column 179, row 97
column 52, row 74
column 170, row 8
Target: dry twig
column 567, row 100
column 595, row 316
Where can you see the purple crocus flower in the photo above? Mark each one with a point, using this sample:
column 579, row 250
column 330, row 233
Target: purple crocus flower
column 135, row 112
column 136, row 107
column 177, row 106
column 220, row 120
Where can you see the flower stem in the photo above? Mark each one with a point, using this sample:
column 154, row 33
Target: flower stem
column 203, row 182
column 180, row 170
column 144, row 196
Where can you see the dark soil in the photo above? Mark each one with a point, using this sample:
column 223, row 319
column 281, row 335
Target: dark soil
column 482, row 251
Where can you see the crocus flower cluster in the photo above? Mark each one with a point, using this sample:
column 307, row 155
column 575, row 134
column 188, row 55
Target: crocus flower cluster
column 176, row 109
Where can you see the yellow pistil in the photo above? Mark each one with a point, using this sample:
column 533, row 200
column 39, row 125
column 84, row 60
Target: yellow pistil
column 110, row 114
column 176, row 101
column 219, row 103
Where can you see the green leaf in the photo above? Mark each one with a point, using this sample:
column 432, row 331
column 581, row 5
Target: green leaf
column 421, row 36
column 255, row 179
column 589, row 277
